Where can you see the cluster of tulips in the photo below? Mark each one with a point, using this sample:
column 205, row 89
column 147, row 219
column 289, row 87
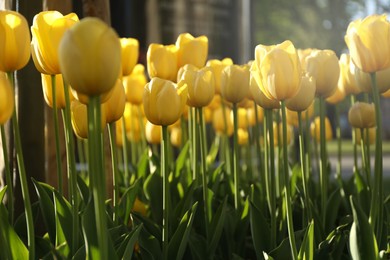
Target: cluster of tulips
column 251, row 203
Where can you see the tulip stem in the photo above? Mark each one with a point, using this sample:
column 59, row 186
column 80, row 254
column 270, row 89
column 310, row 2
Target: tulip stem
column 165, row 175
column 72, row 173
column 195, row 147
column 8, row 176
column 355, row 163
column 226, row 139
column 142, row 129
column 235, row 158
column 365, row 159
column 23, row 179
column 125, row 154
column 115, row 173
column 203, row 150
column 338, row 136
column 96, row 172
column 324, row 178
column 376, row 211
column 258, row 146
column 57, row 135
column 290, row 225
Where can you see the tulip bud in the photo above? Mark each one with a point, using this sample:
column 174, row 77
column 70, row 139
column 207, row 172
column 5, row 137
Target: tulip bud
column 47, row 90
column 14, row 41
column 315, row 129
column 80, row 119
column 323, row 65
column 153, row 133
column 278, row 129
column 217, row 66
column 243, row 136
column 242, row 119
column 90, row 57
column 235, row 83
column 176, row 136
column 115, row 105
column 364, row 82
column 368, row 41
column 257, row 92
column 292, row 116
column 305, row 96
column 361, row 115
column 252, row 115
column 219, row 124
column 162, row 61
column 337, row 96
column 347, row 79
column 164, row 101
column 7, row 99
column 371, row 136
column 130, row 50
column 192, row 50
column 134, row 85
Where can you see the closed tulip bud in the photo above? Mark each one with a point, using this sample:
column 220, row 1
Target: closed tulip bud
column 323, row 65
column 185, row 68
column 14, row 41
column 164, row 101
column 243, row 136
column 245, row 103
column 368, row 41
column 315, row 129
column 371, row 136
column 215, row 102
column 217, row 66
column 7, row 99
column 219, row 122
column 134, row 85
column 364, row 82
column 176, row 136
column 85, row 99
column 360, row 115
column 192, row 50
column 235, row 83
column 347, row 79
column 162, row 61
column 252, row 115
column 153, row 133
column 47, row 30
column 302, row 54
column 47, row 90
column 305, row 96
column 337, row 96
column 118, row 133
column 80, row 119
column 290, row 133
column 115, row 105
column 257, row 93
column 292, row 116
column 208, row 115
column 200, row 85
column 90, row 57
column 242, row 119
column 279, row 70
column 130, row 51
column 132, row 115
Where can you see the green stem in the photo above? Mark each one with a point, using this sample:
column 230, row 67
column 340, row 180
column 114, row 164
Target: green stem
column 125, row 154
column 96, row 172
column 324, row 178
column 365, row 158
column 23, row 179
column 289, row 212
column 279, row 178
column 235, row 158
column 56, row 133
column 338, row 137
column 195, row 146
column 8, row 177
column 142, row 129
column 226, row 140
column 258, row 146
column 376, row 211
column 203, row 152
column 165, row 175
column 355, row 162
column 80, row 152
column 115, row 172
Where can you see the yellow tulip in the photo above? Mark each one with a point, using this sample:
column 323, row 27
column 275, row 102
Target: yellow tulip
column 47, row 30
column 164, row 101
column 85, row 99
column 134, row 84
column 176, row 136
column 139, row 207
column 80, row 119
column 130, row 52
column 192, row 50
column 200, row 85
column 90, row 57
column 215, row 102
column 371, row 136
column 278, row 129
column 315, row 129
column 347, row 80
column 292, row 116
column 14, row 41
column 131, row 114
column 219, row 121
column 115, row 105
column 217, row 66
column 235, row 83
column 243, row 136
column 323, row 65
column 47, row 90
column 305, row 96
column 337, row 96
column 7, row 99
column 162, row 61
column 252, row 115
column 303, row 54
column 208, row 115
column 368, row 41
column 242, row 119
column 361, row 115
column 278, row 69
column 364, row 82
column 118, row 133
column 153, row 133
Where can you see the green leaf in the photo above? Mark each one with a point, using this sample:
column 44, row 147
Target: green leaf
column 149, row 245
column 260, row 230
column 307, row 247
column 179, row 240
column 362, row 240
column 153, row 192
column 12, row 247
column 142, row 165
column 148, row 224
column 332, row 209
column 216, row 228
column 295, row 178
column 64, row 223
column 364, row 197
column 214, row 149
column 181, row 159
column 2, row 193
column 83, row 188
column 184, row 203
column 127, row 200
column 125, row 251
column 89, row 231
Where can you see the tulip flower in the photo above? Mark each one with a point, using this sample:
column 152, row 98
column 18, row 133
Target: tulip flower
column 162, row 61
column 47, row 30
column 251, row 115
column 217, row 66
column 241, row 118
column 257, row 93
column 47, row 90
column 243, row 136
column 290, row 133
column 360, row 115
column 164, row 100
column 200, row 85
column 192, row 50
column 347, row 80
column 115, row 105
column 235, row 83
column 303, row 54
column 218, row 121
column 176, row 136
column 323, row 65
column 305, row 96
column 368, row 41
column 7, row 99
column 152, row 133
column 14, row 41
column 97, row 50
column 364, row 82
column 292, row 116
column 337, row 96
column 130, row 51
column 134, row 84
column 278, row 69
column 371, row 136
column 315, row 129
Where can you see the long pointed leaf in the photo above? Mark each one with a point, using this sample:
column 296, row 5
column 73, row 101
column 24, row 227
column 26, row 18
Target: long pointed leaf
column 307, row 247
column 260, row 230
column 2, row 193
column 216, row 228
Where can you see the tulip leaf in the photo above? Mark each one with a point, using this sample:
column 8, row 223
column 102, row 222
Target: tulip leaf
column 84, row 190
column 332, row 209
column 307, row 247
column 362, row 240
column 181, row 159
column 64, row 222
column 362, row 191
column 179, row 240
column 149, row 245
column 198, row 246
column 260, row 230
column 184, row 203
column 148, row 224
column 125, row 250
column 214, row 149
column 2, row 193
column 127, row 200
column 153, row 192
column 294, row 180
column 216, row 228
column 12, row 247
column 283, row 250
column 142, row 165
